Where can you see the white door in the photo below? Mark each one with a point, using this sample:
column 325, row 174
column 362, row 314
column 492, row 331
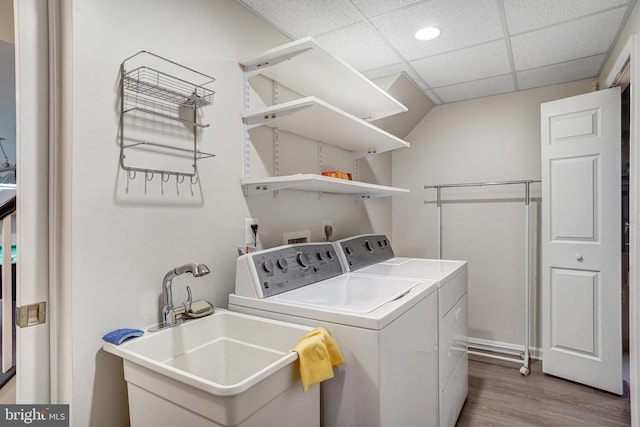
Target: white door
column 581, row 239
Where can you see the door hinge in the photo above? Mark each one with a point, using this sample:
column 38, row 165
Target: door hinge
column 31, row 315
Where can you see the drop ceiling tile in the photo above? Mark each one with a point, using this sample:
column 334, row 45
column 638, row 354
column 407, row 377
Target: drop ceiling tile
column 371, row 8
column 576, row 39
column 360, row 46
column 527, row 15
column 561, row 73
column 474, row 63
column 300, row 18
column 476, row 89
column 464, row 23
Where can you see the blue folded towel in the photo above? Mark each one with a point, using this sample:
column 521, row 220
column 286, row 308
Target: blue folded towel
column 121, row 335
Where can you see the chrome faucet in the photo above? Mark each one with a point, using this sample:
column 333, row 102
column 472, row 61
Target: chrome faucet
column 171, row 312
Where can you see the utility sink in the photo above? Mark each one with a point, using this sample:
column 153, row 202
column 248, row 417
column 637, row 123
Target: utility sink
column 226, row 369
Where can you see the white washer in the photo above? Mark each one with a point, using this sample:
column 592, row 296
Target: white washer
column 373, row 255
column 386, row 329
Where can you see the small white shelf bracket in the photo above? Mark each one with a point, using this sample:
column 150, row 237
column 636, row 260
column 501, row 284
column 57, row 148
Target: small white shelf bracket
column 276, row 155
column 319, row 145
column 247, row 137
column 273, row 61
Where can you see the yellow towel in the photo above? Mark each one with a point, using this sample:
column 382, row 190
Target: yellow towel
column 317, row 354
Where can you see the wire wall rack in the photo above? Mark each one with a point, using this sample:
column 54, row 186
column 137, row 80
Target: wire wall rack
column 168, row 94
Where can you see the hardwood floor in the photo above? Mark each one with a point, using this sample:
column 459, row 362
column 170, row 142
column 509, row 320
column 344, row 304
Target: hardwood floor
column 500, row 396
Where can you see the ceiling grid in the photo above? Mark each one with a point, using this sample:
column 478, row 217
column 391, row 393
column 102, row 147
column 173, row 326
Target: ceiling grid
column 487, row 47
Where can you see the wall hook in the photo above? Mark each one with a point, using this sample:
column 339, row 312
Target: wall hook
column 179, row 181
column 193, row 181
column 148, row 176
column 163, row 180
column 130, row 176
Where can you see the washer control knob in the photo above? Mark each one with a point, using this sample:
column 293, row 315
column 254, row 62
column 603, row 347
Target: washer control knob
column 348, row 250
column 381, row 243
column 320, row 255
column 268, row 266
column 369, row 246
column 330, row 253
column 303, row 260
column 282, row 263
column 579, row 258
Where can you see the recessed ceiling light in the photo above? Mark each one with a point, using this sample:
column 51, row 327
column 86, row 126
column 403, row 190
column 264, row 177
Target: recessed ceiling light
column 428, row 33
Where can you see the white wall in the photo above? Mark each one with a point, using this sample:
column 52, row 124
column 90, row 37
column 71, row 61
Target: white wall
column 488, row 139
column 123, row 241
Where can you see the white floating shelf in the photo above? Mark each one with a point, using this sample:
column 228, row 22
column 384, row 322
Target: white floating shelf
column 315, row 119
column 318, row 183
column 307, row 68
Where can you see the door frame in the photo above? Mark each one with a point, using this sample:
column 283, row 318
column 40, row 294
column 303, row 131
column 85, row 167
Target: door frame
column 44, row 352
column 60, row 129
column 628, row 58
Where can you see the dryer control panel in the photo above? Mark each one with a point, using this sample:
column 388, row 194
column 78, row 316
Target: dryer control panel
column 364, row 250
column 290, row 267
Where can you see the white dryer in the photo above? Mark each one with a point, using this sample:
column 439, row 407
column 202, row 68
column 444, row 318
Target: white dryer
column 372, row 254
column 385, row 327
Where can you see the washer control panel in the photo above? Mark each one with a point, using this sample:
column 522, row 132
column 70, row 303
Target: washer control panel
column 364, row 250
column 290, row 267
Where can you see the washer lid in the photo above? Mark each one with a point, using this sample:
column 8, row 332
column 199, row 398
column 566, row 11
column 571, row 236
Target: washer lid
column 417, row 268
column 349, row 293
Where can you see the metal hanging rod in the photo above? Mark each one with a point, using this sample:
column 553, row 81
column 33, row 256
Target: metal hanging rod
column 524, row 370
column 526, row 182
column 483, row 184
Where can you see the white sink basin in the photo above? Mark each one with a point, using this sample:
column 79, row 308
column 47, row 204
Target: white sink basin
column 225, row 367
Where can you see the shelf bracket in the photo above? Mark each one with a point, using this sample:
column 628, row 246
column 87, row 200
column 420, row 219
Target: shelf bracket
column 319, row 146
column 247, row 137
column 274, row 61
column 355, row 167
column 275, row 95
column 276, row 155
column 266, row 118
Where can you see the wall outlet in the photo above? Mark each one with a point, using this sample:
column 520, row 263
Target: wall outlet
column 325, row 223
column 249, row 237
column 295, row 237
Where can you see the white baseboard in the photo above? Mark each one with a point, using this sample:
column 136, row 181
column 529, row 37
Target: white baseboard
column 503, row 348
